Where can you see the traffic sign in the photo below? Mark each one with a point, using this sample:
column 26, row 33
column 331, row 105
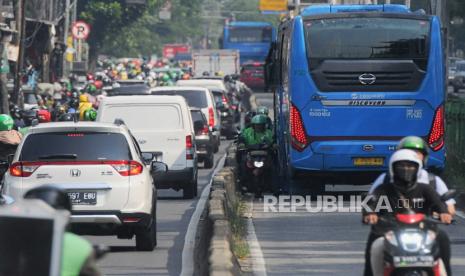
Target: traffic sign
column 80, row 30
column 273, row 5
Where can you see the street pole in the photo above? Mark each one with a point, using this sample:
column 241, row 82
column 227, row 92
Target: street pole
column 65, row 36
column 21, row 27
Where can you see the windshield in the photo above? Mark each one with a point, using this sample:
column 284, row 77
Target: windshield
column 367, row 38
column 194, row 98
column 250, row 34
column 78, row 146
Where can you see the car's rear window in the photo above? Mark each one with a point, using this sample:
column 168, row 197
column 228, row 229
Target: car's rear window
column 197, row 115
column 142, row 117
column 194, row 98
column 79, row 146
column 218, row 96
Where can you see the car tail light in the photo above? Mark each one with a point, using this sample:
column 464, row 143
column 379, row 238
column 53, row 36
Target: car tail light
column 24, row 169
column 189, row 148
column 211, row 117
column 126, row 168
column 298, row 134
column 123, row 167
column 436, row 135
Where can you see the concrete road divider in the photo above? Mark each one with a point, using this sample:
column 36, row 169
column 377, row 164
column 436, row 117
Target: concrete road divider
column 223, row 198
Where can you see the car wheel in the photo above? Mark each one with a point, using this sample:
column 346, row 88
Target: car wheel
column 208, row 162
column 146, row 238
column 190, row 191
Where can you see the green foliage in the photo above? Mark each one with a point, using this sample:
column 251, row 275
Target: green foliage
column 108, row 18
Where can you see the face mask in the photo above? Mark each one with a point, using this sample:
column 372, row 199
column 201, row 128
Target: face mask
column 406, row 174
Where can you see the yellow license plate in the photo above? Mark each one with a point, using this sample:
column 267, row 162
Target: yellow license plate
column 369, row 161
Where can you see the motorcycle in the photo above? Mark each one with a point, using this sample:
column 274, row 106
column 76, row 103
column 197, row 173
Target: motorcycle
column 257, row 166
column 410, row 245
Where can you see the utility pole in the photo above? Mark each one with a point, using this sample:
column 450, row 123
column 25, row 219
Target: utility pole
column 21, row 28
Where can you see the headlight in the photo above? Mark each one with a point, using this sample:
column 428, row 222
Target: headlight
column 258, row 164
column 391, row 238
column 411, row 241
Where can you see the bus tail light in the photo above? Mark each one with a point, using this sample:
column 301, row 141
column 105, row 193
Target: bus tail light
column 298, row 134
column 436, row 135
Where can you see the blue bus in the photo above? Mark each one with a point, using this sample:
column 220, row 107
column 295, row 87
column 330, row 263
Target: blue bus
column 252, row 39
column 350, row 82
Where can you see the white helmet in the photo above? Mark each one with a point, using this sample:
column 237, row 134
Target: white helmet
column 404, row 155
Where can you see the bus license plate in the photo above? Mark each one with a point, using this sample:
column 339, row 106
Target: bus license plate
column 83, row 198
column 369, row 161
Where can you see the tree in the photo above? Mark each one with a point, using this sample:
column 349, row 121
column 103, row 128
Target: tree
column 108, row 18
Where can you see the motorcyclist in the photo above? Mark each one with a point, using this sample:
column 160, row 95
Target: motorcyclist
column 257, row 133
column 405, row 169
column 78, row 255
column 28, row 117
column 90, row 114
column 418, row 145
column 9, row 138
column 264, row 111
column 44, row 116
column 84, row 104
column 16, row 114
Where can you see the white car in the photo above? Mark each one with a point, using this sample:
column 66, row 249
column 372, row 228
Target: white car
column 197, row 97
column 163, row 126
column 103, row 170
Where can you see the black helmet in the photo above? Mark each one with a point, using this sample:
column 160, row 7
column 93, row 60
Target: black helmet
column 68, row 117
column 15, row 111
column 205, row 74
column 29, row 116
column 53, row 196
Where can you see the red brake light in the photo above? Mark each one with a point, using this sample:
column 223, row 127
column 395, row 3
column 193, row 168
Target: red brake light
column 298, row 134
column 126, row 168
column 189, row 148
column 211, row 117
column 410, row 218
column 436, row 134
column 24, row 169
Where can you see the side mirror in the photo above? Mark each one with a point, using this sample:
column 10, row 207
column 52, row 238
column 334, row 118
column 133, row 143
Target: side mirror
column 34, row 122
column 159, row 167
column 148, row 157
column 198, row 125
column 449, row 195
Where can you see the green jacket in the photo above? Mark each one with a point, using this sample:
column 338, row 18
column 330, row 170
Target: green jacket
column 250, row 137
column 77, row 257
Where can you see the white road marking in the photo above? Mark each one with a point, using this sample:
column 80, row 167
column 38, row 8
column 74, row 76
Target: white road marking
column 189, row 239
column 256, row 254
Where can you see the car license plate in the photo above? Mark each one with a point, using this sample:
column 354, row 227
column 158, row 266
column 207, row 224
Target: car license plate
column 83, row 198
column 413, row 261
column 369, row 161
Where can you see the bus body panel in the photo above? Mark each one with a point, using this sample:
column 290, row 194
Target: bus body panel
column 342, row 126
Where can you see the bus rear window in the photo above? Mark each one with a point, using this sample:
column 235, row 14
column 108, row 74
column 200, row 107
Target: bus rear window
column 368, row 38
column 250, row 34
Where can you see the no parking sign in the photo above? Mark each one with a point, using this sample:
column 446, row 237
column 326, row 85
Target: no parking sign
column 80, row 30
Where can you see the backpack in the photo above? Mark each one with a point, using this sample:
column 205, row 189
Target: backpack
column 431, row 179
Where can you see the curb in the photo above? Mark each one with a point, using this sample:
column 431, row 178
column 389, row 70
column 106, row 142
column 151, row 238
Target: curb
column 221, row 260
